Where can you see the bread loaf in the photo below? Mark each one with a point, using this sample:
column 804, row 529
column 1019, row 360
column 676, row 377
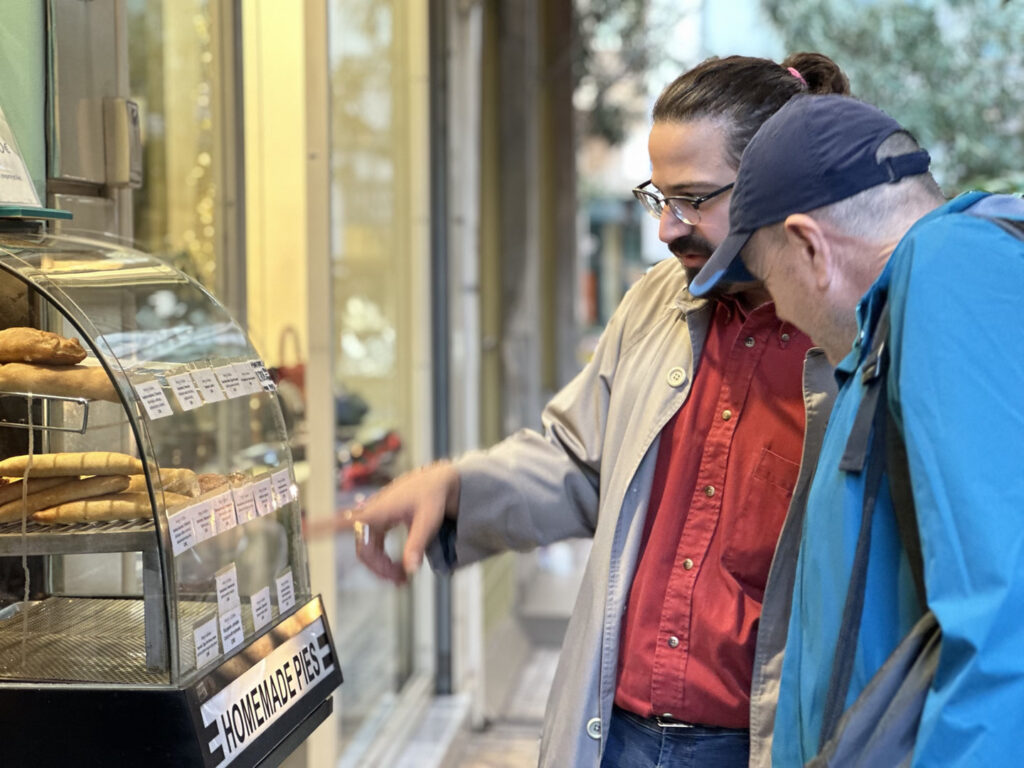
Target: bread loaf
column 210, row 480
column 90, row 382
column 114, row 506
column 72, row 490
column 12, row 491
column 70, row 464
column 30, row 345
column 183, row 481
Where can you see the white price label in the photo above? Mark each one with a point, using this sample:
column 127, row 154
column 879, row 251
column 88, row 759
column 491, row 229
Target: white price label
column 262, row 611
column 227, row 588
column 282, row 481
column 266, row 380
column 245, row 504
column 204, row 521
column 207, row 384
column 231, row 629
column 228, row 378
column 247, row 376
column 224, row 512
column 207, row 642
column 153, row 399
column 185, row 390
column 285, row 592
column 263, row 492
column 183, row 535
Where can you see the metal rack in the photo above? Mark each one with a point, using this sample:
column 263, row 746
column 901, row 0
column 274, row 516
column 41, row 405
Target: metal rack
column 81, row 402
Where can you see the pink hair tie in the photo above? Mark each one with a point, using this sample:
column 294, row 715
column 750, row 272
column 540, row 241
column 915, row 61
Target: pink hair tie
column 793, row 71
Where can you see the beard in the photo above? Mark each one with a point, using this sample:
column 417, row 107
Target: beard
column 695, row 245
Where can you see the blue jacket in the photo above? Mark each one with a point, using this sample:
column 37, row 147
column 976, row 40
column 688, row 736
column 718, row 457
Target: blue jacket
column 955, row 285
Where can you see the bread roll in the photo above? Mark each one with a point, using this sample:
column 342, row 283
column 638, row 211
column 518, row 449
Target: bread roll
column 115, row 506
column 90, row 382
column 210, row 480
column 72, row 490
column 69, row 464
column 182, row 481
column 30, row 345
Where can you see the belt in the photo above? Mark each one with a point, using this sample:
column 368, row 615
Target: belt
column 667, row 721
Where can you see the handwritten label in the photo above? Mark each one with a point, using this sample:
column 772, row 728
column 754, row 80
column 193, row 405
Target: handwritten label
column 207, row 642
column 245, row 504
column 263, row 491
column 207, row 384
column 262, row 611
column 282, row 482
column 228, row 378
column 285, row 592
column 227, row 588
column 224, row 512
column 231, row 629
column 153, row 399
column 250, row 383
column 183, row 535
column 185, row 390
column 204, row 521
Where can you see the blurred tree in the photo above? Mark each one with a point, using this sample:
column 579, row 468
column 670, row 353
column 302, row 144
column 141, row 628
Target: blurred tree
column 949, row 70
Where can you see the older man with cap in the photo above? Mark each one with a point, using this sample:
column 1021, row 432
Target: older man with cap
column 835, row 211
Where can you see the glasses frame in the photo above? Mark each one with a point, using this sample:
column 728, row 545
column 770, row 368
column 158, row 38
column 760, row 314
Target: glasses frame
column 655, row 204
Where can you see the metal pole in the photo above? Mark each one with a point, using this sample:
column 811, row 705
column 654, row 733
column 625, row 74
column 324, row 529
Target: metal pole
column 439, row 303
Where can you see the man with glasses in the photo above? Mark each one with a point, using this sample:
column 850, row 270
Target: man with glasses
column 676, row 449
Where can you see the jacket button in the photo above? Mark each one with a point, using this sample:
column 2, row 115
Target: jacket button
column 594, row 727
column 676, row 377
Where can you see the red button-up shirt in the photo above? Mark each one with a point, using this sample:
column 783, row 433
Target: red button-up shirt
column 727, row 463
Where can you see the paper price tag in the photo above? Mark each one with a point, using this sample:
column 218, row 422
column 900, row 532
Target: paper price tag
column 247, row 377
column 285, row 592
column 231, row 629
column 262, row 610
column 153, row 399
column 185, row 390
column 224, row 512
column 266, row 380
column 282, row 482
column 263, row 491
column 203, row 521
column 245, row 504
column 228, row 378
column 183, row 535
column 207, row 641
column 207, row 384
column 227, row 588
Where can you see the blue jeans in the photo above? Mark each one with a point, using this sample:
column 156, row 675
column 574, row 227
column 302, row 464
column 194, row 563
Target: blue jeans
column 637, row 743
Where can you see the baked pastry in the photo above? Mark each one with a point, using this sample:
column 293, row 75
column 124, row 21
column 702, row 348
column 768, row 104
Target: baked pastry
column 12, row 491
column 30, row 345
column 72, row 490
column 70, row 464
column 181, row 481
column 90, row 382
column 114, row 506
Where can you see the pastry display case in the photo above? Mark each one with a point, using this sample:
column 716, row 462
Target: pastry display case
column 155, row 605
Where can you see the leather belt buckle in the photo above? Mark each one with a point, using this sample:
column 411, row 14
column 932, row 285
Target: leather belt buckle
column 664, row 721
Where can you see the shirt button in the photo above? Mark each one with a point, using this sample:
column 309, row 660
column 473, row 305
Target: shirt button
column 749, row 341
column 785, row 337
column 594, row 727
column 673, row 642
column 709, row 490
column 687, row 564
column 676, row 376
column 726, row 414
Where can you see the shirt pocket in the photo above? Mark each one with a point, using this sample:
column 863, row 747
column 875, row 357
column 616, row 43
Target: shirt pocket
column 754, row 529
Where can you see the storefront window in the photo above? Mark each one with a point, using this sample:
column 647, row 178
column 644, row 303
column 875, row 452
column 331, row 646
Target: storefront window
column 375, row 242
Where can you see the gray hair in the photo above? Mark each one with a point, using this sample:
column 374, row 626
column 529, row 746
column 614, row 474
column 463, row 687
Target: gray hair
column 884, row 212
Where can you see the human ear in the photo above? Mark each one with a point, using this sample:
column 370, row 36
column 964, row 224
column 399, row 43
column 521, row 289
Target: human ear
column 814, row 254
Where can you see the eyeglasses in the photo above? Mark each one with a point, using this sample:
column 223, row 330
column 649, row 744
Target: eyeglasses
column 686, row 208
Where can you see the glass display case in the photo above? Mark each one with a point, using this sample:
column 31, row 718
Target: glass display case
column 155, row 605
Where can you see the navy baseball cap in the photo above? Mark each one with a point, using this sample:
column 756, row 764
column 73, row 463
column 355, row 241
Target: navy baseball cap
column 815, row 151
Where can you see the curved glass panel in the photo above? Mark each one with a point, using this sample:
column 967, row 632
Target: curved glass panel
column 181, row 388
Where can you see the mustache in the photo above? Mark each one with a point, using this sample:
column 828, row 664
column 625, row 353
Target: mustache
column 692, row 243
